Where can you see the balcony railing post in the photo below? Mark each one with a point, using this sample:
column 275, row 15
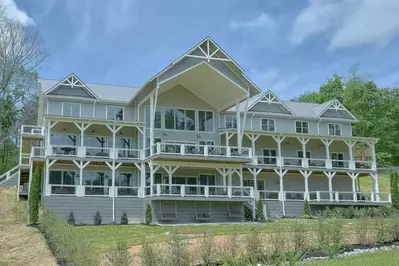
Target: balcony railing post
column 182, row 149
column 228, row 152
column 206, row 191
column 337, row 196
column 158, row 148
column 318, row 195
column 229, row 191
column 372, row 197
column 250, row 155
column 251, row 192
column 182, row 190
column 328, row 164
column 158, row 189
column 389, row 198
column 206, row 150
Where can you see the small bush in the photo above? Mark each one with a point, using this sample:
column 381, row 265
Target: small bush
column 207, row 250
column 253, row 245
column 177, row 252
column 299, row 237
column 362, row 231
column 149, row 254
column 380, row 233
column 66, row 243
column 394, row 230
column 307, row 214
column 71, row 218
column 259, row 211
column 148, row 214
column 97, row 218
column 34, row 197
column 124, row 219
column 119, row 255
column 332, row 249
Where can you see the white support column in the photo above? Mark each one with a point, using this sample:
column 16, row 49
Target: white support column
column 253, row 138
column 47, row 176
column 327, row 143
column 238, row 118
column 330, row 176
column 152, row 172
column 376, row 189
column 255, row 171
column 279, row 140
column 351, row 144
column 113, row 193
column 170, row 171
column 304, row 141
column 353, row 176
column 141, row 168
column 223, row 172
column 373, row 158
column 306, row 175
column 153, row 108
column 281, row 174
column 80, row 190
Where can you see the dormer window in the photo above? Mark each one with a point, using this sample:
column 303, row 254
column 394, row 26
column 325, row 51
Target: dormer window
column 334, row 130
column 267, row 124
column 114, row 113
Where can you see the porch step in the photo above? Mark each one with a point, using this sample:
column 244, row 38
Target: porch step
column 10, row 178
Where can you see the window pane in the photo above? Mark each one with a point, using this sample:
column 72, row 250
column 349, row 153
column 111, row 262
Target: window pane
column 69, row 177
column 209, row 121
column 190, row 120
column 55, row 177
column 169, row 118
column 180, row 119
column 201, row 121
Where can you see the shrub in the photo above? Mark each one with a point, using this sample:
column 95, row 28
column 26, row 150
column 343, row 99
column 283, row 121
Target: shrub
column 394, row 187
column 119, row 255
column 71, row 218
column 277, row 243
column 259, row 211
column 148, row 214
column 307, row 214
column 231, row 245
column 66, row 243
column 149, row 254
column 207, row 250
column 124, row 219
column 332, row 249
column 381, row 235
column 362, row 231
column 299, row 237
column 97, row 218
column 34, row 197
column 253, row 245
column 177, row 252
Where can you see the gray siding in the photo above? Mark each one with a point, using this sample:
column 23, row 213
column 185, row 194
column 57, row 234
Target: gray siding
column 275, row 208
column 68, row 91
column 186, row 211
column 84, row 208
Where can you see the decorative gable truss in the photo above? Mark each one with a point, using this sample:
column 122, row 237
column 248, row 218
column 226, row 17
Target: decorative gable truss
column 210, row 51
column 72, row 86
column 336, row 110
column 270, row 103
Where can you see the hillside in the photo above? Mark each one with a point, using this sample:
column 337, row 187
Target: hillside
column 20, row 244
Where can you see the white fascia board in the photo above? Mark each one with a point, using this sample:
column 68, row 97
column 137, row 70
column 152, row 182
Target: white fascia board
column 336, row 101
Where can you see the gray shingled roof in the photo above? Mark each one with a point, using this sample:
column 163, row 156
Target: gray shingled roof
column 104, row 92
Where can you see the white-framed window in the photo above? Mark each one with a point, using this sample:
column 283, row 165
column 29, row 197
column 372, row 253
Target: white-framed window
column 335, row 129
column 59, row 177
column 158, row 117
column 230, row 121
column 300, row 155
column 179, row 119
column 115, row 113
column 269, row 156
column 268, row 124
column 301, row 127
column 71, row 109
column 337, row 159
column 205, row 121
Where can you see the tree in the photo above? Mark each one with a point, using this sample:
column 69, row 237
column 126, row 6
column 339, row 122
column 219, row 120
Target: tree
column 259, row 211
column 394, row 186
column 34, row 197
column 148, row 214
column 307, row 214
column 21, row 54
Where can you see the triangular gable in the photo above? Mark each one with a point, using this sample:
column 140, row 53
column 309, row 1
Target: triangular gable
column 72, row 86
column 209, row 50
column 336, row 110
column 269, row 103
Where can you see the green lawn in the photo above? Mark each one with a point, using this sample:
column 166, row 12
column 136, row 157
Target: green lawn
column 367, row 185
column 382, row 258
column 108, row 235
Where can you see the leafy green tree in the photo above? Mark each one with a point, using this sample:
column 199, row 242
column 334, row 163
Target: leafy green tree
column 34, row 197
column 148, row 214
column 259, row 211
column 307, row 214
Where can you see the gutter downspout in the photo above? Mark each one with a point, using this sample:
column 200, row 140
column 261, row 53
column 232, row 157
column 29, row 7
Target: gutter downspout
column 318, row 127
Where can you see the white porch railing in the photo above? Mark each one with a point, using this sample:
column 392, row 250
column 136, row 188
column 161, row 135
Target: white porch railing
column 64, row 150
column 129, row 154
column 266, row 160
column 62, row 190
column 38, row 152
column 292, row 161
column 199, row 191
column 98, row 152
column 364, row 165
column 188, row 149
column 32, row 130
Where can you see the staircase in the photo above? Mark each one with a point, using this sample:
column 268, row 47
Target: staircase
column 10, row 178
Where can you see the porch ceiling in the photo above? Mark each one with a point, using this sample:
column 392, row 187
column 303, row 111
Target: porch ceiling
column 209, row 84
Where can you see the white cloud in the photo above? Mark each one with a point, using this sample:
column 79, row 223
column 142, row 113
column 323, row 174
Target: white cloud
column 13, row 12
column 261, row 22
column 348, row 23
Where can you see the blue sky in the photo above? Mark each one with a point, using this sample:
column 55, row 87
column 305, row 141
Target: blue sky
column 287, row 46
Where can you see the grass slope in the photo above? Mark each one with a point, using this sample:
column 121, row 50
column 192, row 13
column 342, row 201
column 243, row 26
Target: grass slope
column 20, row 244
column 367, row 185
column 382, row 258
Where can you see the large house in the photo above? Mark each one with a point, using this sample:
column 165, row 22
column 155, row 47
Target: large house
column 198, row 141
